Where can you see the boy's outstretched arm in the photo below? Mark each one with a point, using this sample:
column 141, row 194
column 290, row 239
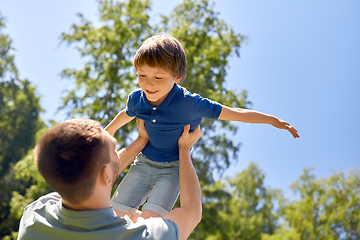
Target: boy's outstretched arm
column 251, row 116
column 120, row 120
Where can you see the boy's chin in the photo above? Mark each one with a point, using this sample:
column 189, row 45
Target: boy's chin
column 152, row 100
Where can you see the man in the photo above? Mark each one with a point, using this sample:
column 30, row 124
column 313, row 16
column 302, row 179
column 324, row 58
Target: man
column 79, row 161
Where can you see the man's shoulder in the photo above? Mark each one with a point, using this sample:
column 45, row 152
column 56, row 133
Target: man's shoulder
column 36, row 212
column 50, row 198
column 160, row 228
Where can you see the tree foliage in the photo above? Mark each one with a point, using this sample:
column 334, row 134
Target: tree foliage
column 244, row 208
column 26, row 171
column 19, row 108
column 102, row 86
column 328, row 208
column 19, row 121
column 241, row 207
column 209, row 43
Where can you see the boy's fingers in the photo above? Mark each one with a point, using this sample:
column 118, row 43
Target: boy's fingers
column 293, row 131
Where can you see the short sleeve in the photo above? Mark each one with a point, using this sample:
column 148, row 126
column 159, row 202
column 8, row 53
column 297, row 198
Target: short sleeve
column 207, row 108
column 162, row 229
column 129, row 109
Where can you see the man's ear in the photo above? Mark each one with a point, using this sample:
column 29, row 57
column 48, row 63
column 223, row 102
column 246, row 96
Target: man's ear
column 105, row 174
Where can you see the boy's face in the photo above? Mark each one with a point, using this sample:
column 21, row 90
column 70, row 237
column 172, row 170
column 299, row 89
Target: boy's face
column 156, row 83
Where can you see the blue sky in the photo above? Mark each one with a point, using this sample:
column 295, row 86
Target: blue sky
column 301, row 63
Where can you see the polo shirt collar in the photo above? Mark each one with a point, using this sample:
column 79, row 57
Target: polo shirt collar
column 163, row 106
column 90, row 219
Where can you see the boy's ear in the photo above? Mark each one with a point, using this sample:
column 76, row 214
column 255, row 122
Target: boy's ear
column 177, row 80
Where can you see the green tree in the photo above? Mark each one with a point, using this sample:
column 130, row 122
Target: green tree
column 209, row 43
column 282, row 233
column 102, row 86
column 328, row 208
column 19, row 121
column 342, row 207
column 26, row 171
column 304, row 214
column 244, row 210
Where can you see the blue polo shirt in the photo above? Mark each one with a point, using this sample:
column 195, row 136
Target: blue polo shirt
column 165, row 123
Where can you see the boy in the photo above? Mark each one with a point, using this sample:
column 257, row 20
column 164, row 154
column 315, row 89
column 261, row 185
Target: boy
column 166, row 108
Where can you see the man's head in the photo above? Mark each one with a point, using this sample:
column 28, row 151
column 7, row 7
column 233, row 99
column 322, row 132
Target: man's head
column 71, row 155
column 162, row 51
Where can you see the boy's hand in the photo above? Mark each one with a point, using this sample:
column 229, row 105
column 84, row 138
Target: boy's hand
column 188, row 139
column 141, row 128
column 285, row 125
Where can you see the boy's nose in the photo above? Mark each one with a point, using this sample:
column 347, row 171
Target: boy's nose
column 150, row 82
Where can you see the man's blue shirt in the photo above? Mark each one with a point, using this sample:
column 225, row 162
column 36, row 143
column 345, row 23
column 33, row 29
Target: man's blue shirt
column 164, row 123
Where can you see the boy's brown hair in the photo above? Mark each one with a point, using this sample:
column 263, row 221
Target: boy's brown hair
column 164, row 51
column 70, row 156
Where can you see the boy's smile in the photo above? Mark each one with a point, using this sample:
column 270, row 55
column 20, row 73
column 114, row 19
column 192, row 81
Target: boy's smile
column 156, row 82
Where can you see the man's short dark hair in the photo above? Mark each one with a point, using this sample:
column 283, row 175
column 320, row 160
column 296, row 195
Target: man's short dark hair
column 69, row 157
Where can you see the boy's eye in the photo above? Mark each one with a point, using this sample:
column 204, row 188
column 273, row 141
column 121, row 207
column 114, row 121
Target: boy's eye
column 158, row 78
column 141, row 75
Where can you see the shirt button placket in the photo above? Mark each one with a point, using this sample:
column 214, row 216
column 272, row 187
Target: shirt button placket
column 154, row 120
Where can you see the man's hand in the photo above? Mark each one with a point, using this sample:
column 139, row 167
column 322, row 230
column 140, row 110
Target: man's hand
column 141, row 127
column 188, row 139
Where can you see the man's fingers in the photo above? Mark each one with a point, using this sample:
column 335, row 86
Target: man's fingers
column 139, row 121
column 197, row 132
column 186, row 129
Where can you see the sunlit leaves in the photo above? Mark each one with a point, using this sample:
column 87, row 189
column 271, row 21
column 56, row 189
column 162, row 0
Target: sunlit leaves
column 328, row 208
column 19, row 122
column 101, row 87
column 239, row 208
